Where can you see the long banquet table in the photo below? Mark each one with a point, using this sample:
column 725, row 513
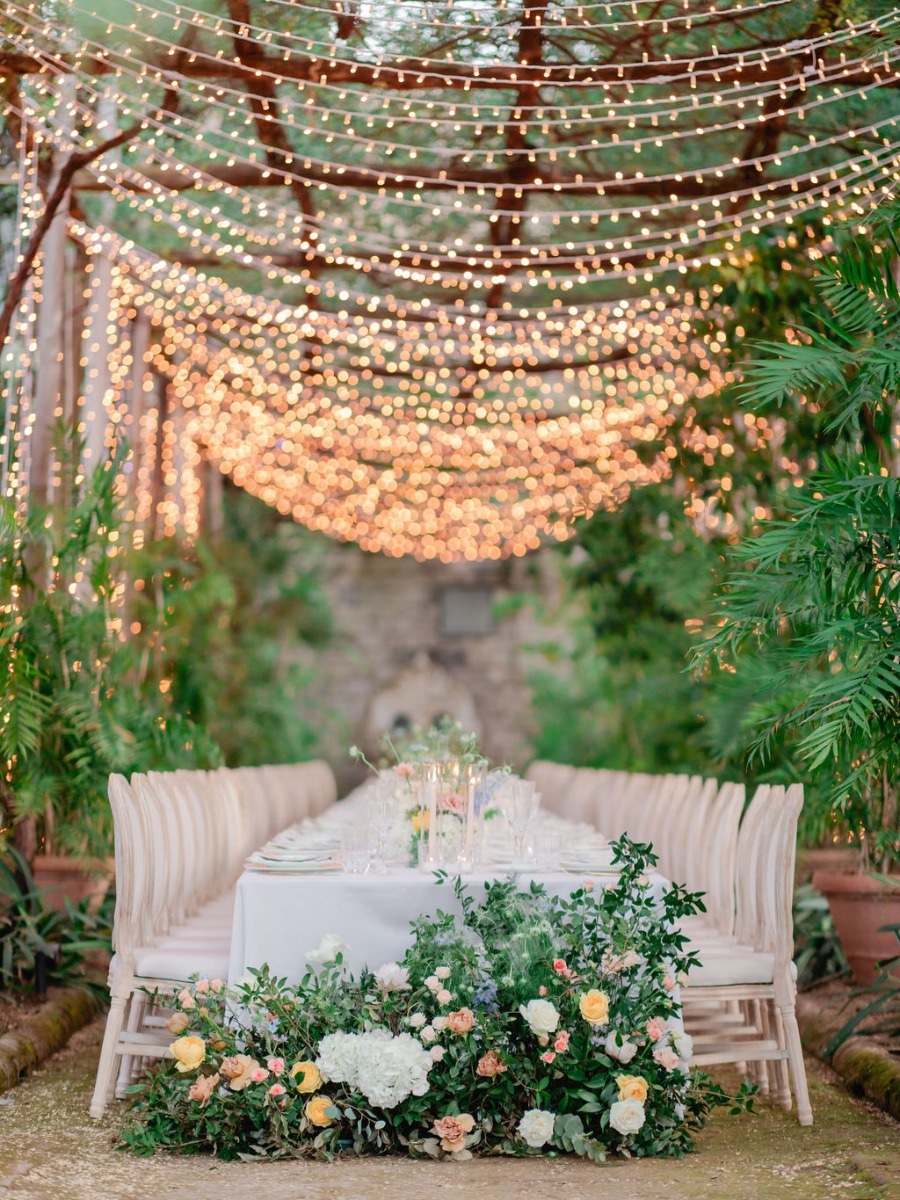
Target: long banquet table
column 280, row 917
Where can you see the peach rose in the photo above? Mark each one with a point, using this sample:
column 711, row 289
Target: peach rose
column 594, row 1007
column 460, row 1021
column 177, row 1023
column 666, row 1057
column 238, row 1070
column 186, row 1000
column 632, row 1087
column 490, row 1065
column 452, row 1132
column 188, row 1052
column 315, row 1111
column 203, row 1087
column 201, row 986
column 309, row 1078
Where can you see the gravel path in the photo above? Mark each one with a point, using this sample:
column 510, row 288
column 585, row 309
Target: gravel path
column 51, row 1150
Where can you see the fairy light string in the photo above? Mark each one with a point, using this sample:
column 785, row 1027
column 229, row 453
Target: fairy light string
column 414, row 276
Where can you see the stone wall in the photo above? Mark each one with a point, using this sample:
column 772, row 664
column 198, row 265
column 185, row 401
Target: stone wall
column 395, row 654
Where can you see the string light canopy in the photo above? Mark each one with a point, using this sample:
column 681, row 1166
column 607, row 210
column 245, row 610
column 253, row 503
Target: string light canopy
column 416, row 271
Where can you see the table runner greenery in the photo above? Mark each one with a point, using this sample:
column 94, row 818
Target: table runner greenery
column 525, row 1023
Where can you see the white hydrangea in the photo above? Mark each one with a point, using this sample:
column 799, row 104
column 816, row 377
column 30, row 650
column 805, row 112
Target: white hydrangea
column 386, row 1069
column 391, row 1069
column 336, row 1059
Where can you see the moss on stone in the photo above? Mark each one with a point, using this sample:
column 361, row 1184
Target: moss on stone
column 43, row 1034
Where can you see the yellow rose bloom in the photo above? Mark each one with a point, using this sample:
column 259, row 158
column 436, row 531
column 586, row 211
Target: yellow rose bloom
column 632, row 1087
column 418, row 820
column 594, row 1007
column 310, row 1080
column 315, row 1110
column 188, row 1052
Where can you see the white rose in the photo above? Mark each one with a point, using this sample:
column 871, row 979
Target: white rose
column 536, row 1126
column 443, row 972
column 433, row 983
column 541, row 1016
column 619, row 1048
column 440, row 1022
column 627, row 1116
column 427, row 1035
column 437, row 1053
column 392, row 978
column 328, row 950
column 417, row 1020
column 684, row 1046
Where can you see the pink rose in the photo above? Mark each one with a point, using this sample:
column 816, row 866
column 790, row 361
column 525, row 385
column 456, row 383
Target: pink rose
column 461, row 1021
column 588, row 885
column 542, row 991
column 544, row 1040
column 655, row 1028
column 453, row 802
column 277, row 1089
column 452, row 1132
column 562, row 1042
column 548, row 1056
column 404, row 769
column 669, row 983
column 216, row 986
column 201, row 986
column 258, row 1075
column 666, row 1057
column 490, row 1065
column 443, row 996
column 276, row 1066
column 440, row 1023
column 437, row 1053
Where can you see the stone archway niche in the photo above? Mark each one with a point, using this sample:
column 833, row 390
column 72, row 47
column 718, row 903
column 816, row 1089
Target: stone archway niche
column 419, row 695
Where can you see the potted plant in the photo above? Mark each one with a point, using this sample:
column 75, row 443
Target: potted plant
column 813, row 612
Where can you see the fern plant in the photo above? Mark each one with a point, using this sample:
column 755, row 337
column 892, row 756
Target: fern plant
column 813, row 610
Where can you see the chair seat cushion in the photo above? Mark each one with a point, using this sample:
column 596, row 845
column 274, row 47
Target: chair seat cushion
column 735, row 967
column 180, row 963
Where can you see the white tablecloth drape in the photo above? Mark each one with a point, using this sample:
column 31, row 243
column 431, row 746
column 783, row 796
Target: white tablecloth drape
column 278, row 918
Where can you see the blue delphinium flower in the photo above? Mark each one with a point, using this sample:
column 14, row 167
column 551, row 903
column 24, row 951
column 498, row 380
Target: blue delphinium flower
column 485, row 996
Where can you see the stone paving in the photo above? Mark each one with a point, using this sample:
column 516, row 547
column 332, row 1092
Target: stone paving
column 51, row 1150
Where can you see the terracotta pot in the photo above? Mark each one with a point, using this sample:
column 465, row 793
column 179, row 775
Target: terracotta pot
column 859, row 906
column 825, row 858
column 59, row 876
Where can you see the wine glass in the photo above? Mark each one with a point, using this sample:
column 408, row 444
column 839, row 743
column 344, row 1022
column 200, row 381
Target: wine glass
column 518, row 802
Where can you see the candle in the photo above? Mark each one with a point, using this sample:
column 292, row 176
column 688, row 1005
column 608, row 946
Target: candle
column 470, row 821
column 431, row 790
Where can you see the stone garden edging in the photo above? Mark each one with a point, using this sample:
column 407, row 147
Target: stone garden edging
column 865, row 1067
column 45, row 1032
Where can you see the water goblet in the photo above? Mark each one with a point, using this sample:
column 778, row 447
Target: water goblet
column 518, row 802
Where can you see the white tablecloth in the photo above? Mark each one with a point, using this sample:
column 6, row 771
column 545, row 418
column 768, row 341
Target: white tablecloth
column 279, row 917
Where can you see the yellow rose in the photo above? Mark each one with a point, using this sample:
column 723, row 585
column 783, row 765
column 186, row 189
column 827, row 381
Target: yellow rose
column 315, row 1110
column 418, row 820
column 310, row 1080
column 188, row 1052
column 632, row 1087
column 177, row 1023
column 594, row 1007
